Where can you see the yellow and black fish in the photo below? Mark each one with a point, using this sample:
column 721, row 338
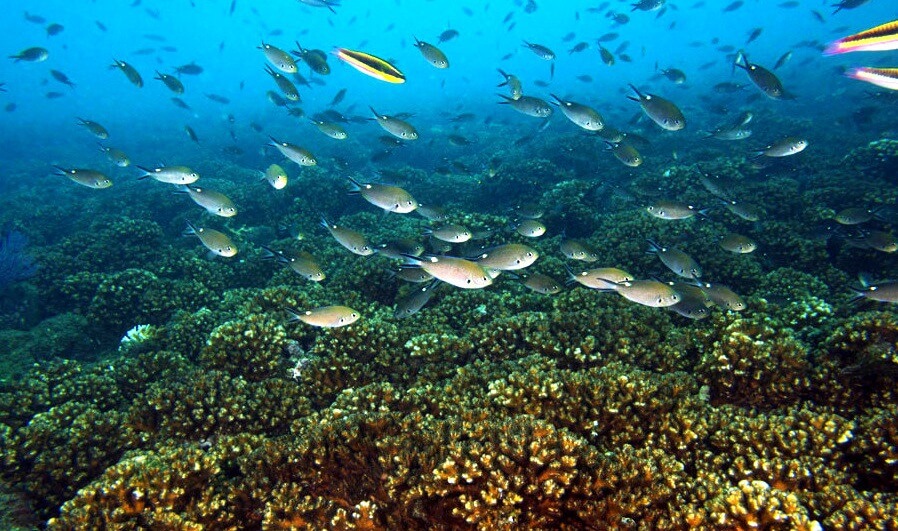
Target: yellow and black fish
column 370, row 65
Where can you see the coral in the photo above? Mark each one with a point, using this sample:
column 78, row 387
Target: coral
column 61, row 450
column 749, row 360
column 253, row 347
column 754, row 504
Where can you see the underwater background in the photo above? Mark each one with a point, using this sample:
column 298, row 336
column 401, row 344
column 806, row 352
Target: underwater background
column 155, row 380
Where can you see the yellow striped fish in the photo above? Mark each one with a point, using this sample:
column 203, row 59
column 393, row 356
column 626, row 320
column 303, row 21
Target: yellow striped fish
column 881, row 77
column 370, row 65
column 879, row 39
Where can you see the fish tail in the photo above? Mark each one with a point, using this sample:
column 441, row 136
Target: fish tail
column 293, row 315
column 506, row 99
column 357, row 186
column 190, row 230
column 653, row 246
column 146, row 171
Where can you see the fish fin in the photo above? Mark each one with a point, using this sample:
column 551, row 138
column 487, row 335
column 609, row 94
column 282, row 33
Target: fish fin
column 190, row 230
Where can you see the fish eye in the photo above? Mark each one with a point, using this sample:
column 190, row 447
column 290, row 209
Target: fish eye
column 468, row 281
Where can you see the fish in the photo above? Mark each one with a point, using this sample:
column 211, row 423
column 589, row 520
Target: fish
column 625, row 153
column 783, row 60
column 278, row 58
column 325, row 316
column 578, row 250
column 34, row 54
column 676, row 260
column 733, row 6
column 848, row 4
column 316, row 59
column 329, row 4
column 458, row 272
column 297, row 154
column 447, row 35
column 886, row 78
column 275, row 176
column 95, row 128
column 764, row 79
column 53, row 95
column 648, row 5
column 356, row 242
column 129, row 71
column 85, row 177
column 581, row 115
column 62, row 78
column 338, row 97
column 34, row 19
column 432, row 212
column 413, row 275
column 450, row 233
column 432, row 54
column 736, row 243
column 729, row 133
column 171, row 82
column 513, row 83
column 601, row 278
column 856, row 215
column 674, row 75
column 666, row 209
column 606, row 55
column 541, row 51
column 301, row 262
column 389, row 198
column 170, row 174
column 648, row 293
column 529, row 105
column 755, row 33
column 218, row 243
column 886, row 291
column 395, row 126
column 663, row 112
column 190, row 69
column 727, row 87
column 540, row 283
column 370, row 65
column 722, row 296
column 694, row 303
column 191, row 134
column 877, row 240
column 214, row 202
column 54, row 29
column 394, row 249
column 577, row 48
column 743, row 210
column 331, row 129
column 508, row 257
column 284, row 85
column 180, row 103
column 116, row 156
column 415, row 301
column 530, row 228
column 785, row 147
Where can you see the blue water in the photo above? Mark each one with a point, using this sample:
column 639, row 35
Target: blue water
column 145, row 124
